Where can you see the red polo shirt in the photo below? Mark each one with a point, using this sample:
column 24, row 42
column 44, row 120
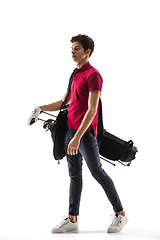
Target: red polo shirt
column 86, row 79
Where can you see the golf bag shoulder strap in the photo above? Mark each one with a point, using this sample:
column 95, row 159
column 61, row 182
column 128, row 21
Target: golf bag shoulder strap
column 69, row 89
column 100, row 126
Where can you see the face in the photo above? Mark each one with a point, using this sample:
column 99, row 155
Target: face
column 78, row 53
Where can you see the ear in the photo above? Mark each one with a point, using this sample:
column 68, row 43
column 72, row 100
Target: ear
column 88, row 52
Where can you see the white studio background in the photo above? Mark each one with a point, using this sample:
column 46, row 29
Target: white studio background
column 36, row 64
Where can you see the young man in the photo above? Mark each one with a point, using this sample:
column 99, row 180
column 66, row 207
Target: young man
column 80, row 136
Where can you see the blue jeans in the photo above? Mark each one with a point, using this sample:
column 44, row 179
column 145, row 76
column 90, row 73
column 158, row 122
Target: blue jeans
column 88, row 149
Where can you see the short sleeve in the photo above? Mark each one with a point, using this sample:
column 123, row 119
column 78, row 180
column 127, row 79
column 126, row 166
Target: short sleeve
column 95, row 82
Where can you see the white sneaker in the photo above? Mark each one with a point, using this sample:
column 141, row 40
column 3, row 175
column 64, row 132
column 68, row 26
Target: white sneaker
column 118, row 224
column 66, row 226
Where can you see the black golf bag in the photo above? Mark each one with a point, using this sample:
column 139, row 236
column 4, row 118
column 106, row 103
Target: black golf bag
column 112, row 147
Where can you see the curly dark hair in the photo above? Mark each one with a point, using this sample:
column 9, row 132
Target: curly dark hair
column 85, row 41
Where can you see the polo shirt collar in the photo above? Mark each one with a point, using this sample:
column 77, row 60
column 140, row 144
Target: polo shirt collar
column 84, row 67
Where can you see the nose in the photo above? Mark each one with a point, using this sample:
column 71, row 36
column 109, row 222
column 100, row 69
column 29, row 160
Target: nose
column 72, row 51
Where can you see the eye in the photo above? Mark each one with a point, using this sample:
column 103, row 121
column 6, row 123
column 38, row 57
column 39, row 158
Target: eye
column 76, row 49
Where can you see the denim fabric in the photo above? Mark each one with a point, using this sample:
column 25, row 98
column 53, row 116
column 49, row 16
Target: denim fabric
column 88, row 149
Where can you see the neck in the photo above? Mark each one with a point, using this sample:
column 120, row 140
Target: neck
column 82, row 63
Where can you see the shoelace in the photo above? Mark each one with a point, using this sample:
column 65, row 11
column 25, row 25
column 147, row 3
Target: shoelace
column 116, row 220
column 63, row 223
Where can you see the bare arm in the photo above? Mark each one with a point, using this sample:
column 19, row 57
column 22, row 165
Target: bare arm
column 87, row 120
column 56, row 105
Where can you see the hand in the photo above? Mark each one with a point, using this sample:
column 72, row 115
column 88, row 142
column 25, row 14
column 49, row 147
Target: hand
column 34, row 116
column 73, row 146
